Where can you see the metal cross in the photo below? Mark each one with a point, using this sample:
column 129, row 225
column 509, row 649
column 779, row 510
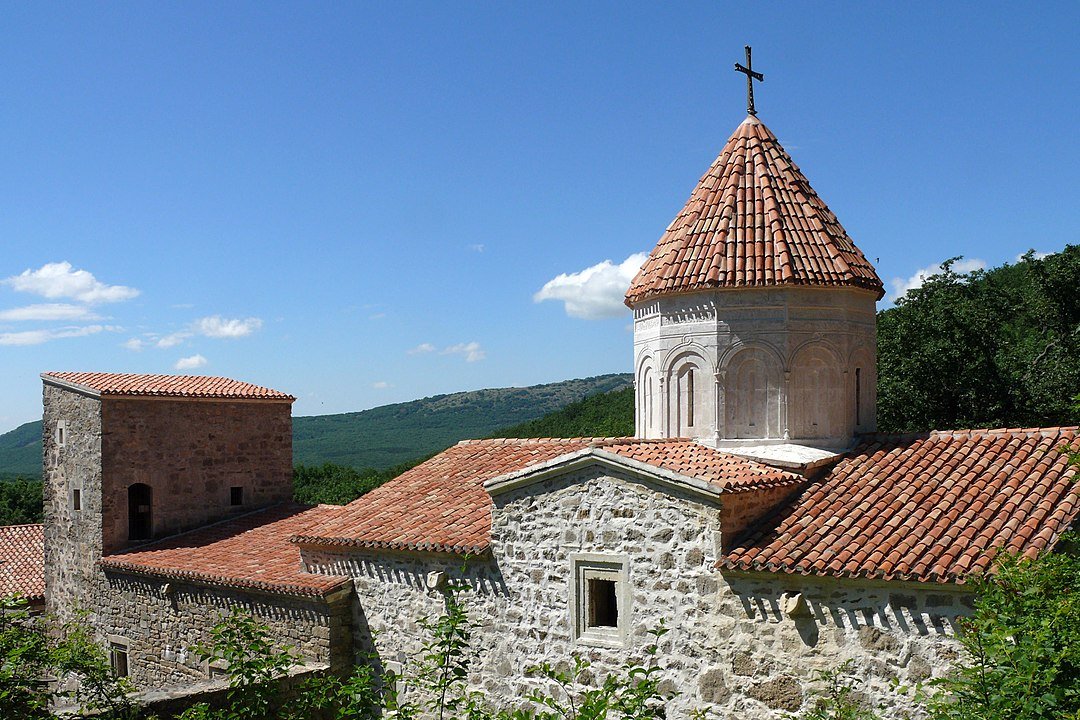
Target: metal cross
column 751, row 76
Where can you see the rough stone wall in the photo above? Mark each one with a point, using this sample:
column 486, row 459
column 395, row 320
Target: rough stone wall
column 72, row 538
column 191, row 453
column 732, row 650
column 151, row 614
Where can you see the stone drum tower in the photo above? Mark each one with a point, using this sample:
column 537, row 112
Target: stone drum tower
column 754, row 315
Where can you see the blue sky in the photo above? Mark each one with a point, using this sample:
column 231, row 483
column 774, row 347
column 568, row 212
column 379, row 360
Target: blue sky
column 359, row 203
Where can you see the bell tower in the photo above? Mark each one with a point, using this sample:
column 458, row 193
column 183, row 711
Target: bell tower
column 754, row 315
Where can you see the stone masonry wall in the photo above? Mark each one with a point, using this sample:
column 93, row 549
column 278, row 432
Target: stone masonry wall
column 191, row 453
column 72, row 537
column 738, row 646
column 151, row 614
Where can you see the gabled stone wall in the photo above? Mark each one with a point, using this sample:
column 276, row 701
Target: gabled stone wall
column 738, row 646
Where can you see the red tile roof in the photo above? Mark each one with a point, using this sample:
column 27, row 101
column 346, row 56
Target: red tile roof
column 22, row 561
column 252, row 551
column 723, row 470
column 932, row 508
column 442, row 506
column 752, row 221
column 190, row 386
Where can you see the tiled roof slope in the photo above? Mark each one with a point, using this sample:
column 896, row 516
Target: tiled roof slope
column 189, row 386
column 22, row 561
column 933, row 508
column 723, row 470
column 441, row 505
column 252, row 551
column 752, row 221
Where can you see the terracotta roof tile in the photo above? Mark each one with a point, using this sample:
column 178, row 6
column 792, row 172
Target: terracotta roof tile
column 932, row 508
column 752, row 221
column 252, row 551
column 191, row 386
column 441, row 505
column 22, row 561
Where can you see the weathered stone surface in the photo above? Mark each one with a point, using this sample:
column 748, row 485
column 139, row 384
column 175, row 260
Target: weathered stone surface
column 872, row 638
column 712, row 688
column 782, row 693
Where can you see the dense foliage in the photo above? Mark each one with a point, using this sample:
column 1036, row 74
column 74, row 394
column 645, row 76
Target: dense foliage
column 1022, row 645
column 29, row 657
column 997, row 348
column 338, row 485
column 20, row 501
column 605, row 415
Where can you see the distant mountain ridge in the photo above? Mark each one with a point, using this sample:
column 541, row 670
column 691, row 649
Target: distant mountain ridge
column 382, row 436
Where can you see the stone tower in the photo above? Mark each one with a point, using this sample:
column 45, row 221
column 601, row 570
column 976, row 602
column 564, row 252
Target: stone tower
column 754, row 315
column 132, row 458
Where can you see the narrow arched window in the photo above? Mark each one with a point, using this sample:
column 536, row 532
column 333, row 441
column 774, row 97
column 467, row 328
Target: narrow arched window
column 140, row 512
column 690, row 397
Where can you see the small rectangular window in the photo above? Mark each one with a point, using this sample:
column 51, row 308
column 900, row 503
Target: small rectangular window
column 118, row 659
column 603, row 604
column 76, row 499
column 600, row 605
column 61, row 433
column 236, row 496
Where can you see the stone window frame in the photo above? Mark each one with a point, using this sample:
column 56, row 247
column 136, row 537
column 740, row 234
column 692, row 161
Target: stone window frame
column 76, row 490
column 119, row 646
column 60, row 433
column 600, row 566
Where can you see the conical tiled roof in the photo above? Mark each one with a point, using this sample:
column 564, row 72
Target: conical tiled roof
column 752, row 221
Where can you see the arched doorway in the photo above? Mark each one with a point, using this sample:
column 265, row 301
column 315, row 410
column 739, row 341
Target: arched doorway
column 140, row 512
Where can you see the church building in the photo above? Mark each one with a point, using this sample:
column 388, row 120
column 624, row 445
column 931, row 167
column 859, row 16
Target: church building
column 757, row 514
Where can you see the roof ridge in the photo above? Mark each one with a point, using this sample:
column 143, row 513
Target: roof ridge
column 788, row 236
column 22, row 525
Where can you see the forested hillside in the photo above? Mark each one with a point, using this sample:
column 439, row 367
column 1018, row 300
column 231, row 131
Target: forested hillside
column 606, row 415
column 393, row 434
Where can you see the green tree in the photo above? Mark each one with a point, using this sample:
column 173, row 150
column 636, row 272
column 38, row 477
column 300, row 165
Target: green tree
column 1022, row 644
column 997, row 348
column 32, row 662
column 244, row 648
column 20, row 501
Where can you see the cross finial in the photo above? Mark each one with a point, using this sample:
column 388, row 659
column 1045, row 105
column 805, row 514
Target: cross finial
column 751, row 76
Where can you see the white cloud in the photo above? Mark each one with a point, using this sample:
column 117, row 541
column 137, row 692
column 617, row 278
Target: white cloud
column 190, row 363
column 61, row 280
column 900, row 286
column 135, row 344
column 216, row 326
column 595, row 292
column 37, row 337
column 172, row 340
column 472, row 351
column 377, row 316
column 477, row 247
column 48, row 311
column 381, row 385
column 420, row 349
